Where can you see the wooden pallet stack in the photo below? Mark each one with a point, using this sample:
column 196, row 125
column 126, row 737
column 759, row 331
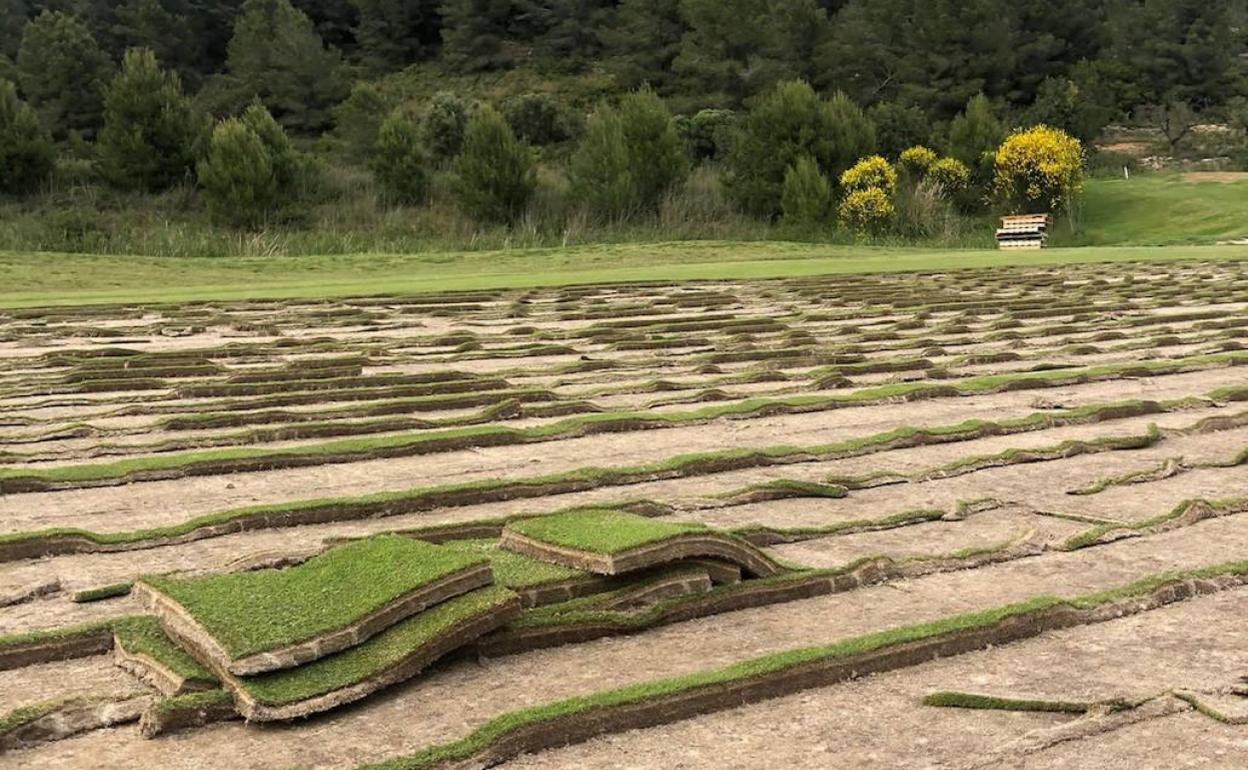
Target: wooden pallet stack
column 1024, row 231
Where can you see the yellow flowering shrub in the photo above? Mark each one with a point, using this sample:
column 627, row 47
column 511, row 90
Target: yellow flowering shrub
column 1038, row 169
column 870, row 172
column 866, row 211
column 950, row 174
column 917, row 160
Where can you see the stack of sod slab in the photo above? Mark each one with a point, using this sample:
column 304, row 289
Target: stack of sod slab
column 342, row 625
column 605, row 542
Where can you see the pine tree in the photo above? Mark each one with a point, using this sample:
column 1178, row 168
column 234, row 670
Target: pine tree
column 394, row 33
column 150, row 130
column 237, row 175
column 643, row 42
column 655, row 150
column 602, row 179
column 788, row 123
column 26, row 151
column 495, row 171
column 13, row 16
column 399, row 160
column 277, row 57
column 63, row 72
column 975, row 135
column 473, row 32
column 806, row 200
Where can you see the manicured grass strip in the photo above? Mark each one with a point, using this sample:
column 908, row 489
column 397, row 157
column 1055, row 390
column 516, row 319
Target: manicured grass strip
column 161, row 279
column 253, row 612
column 512, row 570
column 963, row 700
column 103, row 592
column 509, row 731
column 235, row 460
column 375, row 656
column 145, row 636
column 71, row 540
column 601, row 531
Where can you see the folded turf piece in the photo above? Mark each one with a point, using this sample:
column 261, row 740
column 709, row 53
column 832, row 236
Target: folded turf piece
column 394, row 655
column 538, row 582
column 252, row 622
column 141, row 647
column 612, row 543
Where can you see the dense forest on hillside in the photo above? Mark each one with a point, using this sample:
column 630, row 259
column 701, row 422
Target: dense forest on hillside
column 343, row 98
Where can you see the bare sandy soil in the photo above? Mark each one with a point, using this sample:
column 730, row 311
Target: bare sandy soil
column 881, row 721
column 1010, row 546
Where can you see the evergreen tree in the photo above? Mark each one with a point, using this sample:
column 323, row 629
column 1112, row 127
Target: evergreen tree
column 358, row 119
column 788, row 123
column 564, row 33
column 399, row 160
column 394, row 33
column 540, row 119
column 602, row 179
column 277, row 57
column 631, row 157
column 26, row 151
column 63, row 73
column 237, row 175
column 13, row 16
column 285, row 160
column 899, row 127
column 806, row 200
column 444, row 124
column 852, row 135
column 975, row 135
column 495, row 171
column 931, row 53
column 150, row 131
column 655, row 150
column 148, row 24
column 643, row 42
column 473, row 32
column 336, row 21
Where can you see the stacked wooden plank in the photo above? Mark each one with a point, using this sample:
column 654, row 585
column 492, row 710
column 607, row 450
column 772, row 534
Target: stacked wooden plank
column 1024, row 231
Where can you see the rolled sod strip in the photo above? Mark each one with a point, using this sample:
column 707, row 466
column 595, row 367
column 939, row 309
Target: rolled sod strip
column 253, row 622
column 608, row 542
column 392, row 656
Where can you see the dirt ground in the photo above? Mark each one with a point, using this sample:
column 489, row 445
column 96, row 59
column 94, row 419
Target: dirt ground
column 1001, row 530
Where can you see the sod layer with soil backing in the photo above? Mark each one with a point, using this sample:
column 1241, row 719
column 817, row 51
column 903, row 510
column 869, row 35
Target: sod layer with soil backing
column 608, row 542
column 394, row 655
column 253, row 622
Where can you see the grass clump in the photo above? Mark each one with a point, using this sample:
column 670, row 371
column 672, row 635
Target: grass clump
column 144, row 636
column 380, row 653
column 600, row 531
column 253, row 612
column 963, row 700
column 103, row 592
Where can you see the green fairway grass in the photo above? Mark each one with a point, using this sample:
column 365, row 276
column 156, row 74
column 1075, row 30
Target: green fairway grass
column 33, row 280
column 253, row 612
column 1158, row 210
